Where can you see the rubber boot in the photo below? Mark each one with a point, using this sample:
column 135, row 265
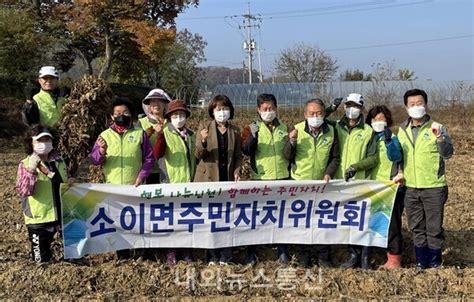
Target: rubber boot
column 421, row 253
column 354, row 260
column 434, row 258
column 365, row 258
column 393, row 262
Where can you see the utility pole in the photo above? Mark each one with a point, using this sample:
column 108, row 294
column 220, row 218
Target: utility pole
column 250, row 21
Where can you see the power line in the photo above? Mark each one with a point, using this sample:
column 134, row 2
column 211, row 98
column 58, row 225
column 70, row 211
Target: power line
column 348, row 11
column 392, row 44
column 402, row 43
column 292, row 14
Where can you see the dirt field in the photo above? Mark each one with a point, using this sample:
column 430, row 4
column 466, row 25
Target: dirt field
column 105, row 278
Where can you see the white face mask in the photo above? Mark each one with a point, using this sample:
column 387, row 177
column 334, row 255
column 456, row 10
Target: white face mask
column 352, row 113
column 379, row 126
column 315, row 122
column 268, row 116
column 178, row 122
column 417, row 112
column 222, row 116
column 42, row 148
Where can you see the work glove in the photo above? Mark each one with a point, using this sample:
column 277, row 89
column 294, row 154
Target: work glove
column 350, row 172
column 34, row 162
column 335, row 103
column 254, row 129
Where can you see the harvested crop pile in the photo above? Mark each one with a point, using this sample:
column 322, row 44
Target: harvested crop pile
column 84, row 116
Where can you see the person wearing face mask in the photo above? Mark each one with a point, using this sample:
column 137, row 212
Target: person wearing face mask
column 426, row 145
column 389, row 168
column 125, row 154
column 154, row 106
column 219, row 156
column 176, row 145
column 38, row 184
column 313, row 151
column 263, row 141
column 358, row 149
column 45, row 106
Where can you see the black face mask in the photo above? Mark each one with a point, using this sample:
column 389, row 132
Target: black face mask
column 123, row 120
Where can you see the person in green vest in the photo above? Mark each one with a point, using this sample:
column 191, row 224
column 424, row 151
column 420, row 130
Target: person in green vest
column 125, row 154
column 176, row 145
column 263, row 141
column 154, row 106
column 358, row 149
column 45, row 107
column 38, row 184
column 389, row 168
column 313, row 151
column 426, row 145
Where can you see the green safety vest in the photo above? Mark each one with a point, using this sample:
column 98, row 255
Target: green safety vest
column 179, row 156
column 269, row 160
column 421, row 159
column 311, row 159
column 48, row 110
column 353, row 148
column 145, row 124
column 383, row 170
column 40, row 207
column 123, row 160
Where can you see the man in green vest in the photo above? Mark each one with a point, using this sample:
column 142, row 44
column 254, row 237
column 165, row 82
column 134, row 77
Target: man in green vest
column 426, row 144
column 358, row 149
column 313, row 151
column 263, row 141
column 154, row 106
column 45, row 108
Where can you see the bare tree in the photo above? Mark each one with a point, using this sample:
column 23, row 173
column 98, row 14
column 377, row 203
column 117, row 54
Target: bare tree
column 306, row 63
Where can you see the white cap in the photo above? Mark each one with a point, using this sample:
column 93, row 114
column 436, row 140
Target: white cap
column 356, row 98
column 157, row 94
column 44, row 132
column 48, row 70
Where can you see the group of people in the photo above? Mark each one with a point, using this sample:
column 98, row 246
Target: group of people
column 160, row 148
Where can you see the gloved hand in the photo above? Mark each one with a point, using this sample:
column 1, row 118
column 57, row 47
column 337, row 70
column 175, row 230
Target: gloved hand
column 388, row 134
column 149, row 131
column 350, row 172
column 254, row 129
column 335, row 103
column 34, row 162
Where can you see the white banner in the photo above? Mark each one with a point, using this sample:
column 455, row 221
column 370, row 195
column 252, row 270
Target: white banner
column 100, row 218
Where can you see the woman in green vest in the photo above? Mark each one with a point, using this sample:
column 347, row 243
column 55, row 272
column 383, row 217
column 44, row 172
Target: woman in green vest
column 125, row 154
column 176, row 145
column 389, row 168
column 39, row 177
column 154, row 105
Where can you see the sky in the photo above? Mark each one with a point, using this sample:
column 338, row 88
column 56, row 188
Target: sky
column 434, row 38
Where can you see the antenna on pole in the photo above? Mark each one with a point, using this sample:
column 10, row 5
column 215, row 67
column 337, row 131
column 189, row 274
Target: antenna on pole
column 251, row 21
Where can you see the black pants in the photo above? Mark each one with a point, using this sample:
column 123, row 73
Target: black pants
column 395, row 238
column 425, row 211
column 41, row 236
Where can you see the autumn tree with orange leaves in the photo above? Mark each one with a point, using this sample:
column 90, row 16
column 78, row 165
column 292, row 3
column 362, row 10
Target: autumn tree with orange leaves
column 104, row 29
